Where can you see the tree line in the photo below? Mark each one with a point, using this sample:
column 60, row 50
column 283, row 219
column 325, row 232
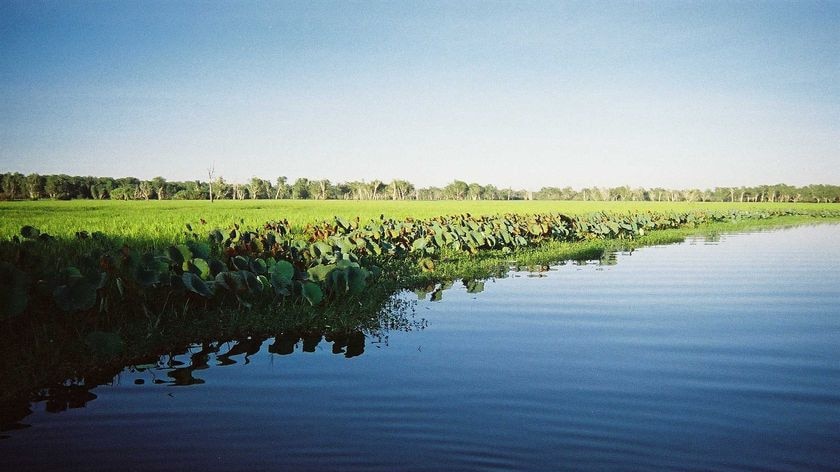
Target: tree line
column 16, row 186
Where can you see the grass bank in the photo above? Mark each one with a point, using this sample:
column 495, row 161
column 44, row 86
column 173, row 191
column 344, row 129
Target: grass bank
column 162, row 222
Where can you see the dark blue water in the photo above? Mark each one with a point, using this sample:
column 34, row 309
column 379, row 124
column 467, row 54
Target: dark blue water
column 704, row 356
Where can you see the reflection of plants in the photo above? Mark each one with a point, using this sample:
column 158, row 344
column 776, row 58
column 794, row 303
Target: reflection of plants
column 72, row 379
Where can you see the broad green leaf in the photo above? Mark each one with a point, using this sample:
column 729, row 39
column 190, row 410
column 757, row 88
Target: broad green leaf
column 320, row 272
column 194, row 284
column 282, row 271
column 312, row 293
column 203, row 268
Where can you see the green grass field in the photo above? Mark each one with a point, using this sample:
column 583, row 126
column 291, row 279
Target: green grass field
column 164, row 220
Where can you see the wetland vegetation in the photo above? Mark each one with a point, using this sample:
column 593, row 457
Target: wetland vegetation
column 91, row 287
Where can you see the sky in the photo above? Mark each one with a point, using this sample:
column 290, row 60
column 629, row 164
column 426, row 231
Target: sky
column 522, row 94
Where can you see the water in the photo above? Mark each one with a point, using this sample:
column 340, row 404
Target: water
column 708, row 355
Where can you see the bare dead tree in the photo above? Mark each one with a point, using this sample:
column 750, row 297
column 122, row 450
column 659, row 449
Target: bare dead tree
column 211, row 171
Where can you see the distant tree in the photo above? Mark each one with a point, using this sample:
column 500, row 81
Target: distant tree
column 601, row 194
column 256, row 188
column 474, row 191
column 121, row 193
column 621, row 193
column 158, row 185
column 300, row 189
column 13, row 185
column 35, row 186
column 490, row 192
column 99, row 190
column 400, row 189
column 144, row 190
column 268, row 189
column 324, row 189
column 375, row 187
column 211, row 171
column 457, row 190
column 359, row 190
column 222, row 189
column 191, row 191
column 57, row 186
column 239, row 191
column 281, row 189
column 104, row 186
column 343, row 191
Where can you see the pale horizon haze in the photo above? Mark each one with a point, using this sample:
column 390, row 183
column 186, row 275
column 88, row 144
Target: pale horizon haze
column 520, row 94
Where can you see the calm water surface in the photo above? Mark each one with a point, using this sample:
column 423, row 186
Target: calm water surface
column 708, row 355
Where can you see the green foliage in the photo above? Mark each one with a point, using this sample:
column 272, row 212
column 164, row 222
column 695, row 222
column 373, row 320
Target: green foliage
column 312, row 293
column 77, row 292
column 194, row 284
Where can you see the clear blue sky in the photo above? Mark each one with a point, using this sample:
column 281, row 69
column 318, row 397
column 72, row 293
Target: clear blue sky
column 526, row 94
